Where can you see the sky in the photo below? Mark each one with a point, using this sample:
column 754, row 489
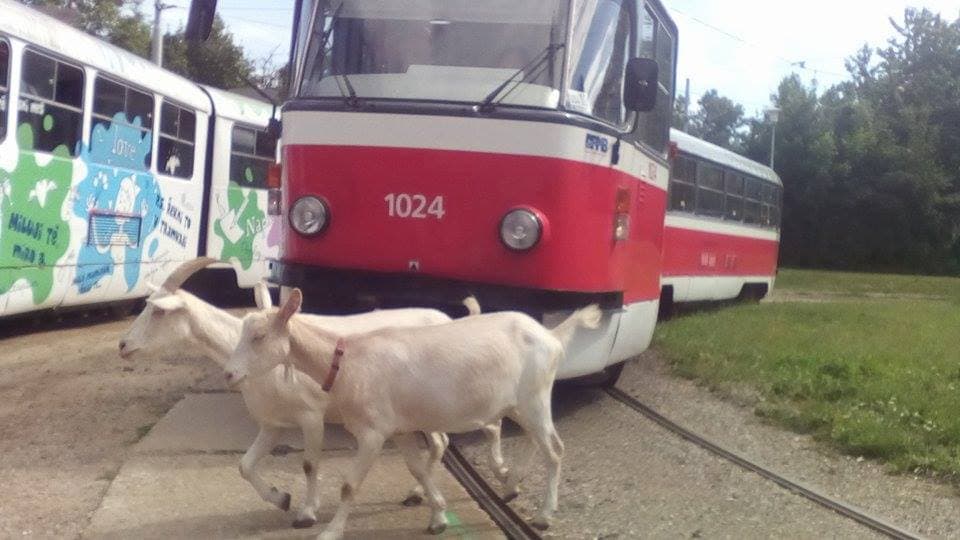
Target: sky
column 742, row 48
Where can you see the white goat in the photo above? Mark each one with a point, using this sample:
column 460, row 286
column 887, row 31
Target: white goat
column 176, row 322
column 449, row 378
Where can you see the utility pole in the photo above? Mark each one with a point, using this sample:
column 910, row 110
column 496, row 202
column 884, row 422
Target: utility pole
column 773, row 116
column 157, row 43
column 686, row 112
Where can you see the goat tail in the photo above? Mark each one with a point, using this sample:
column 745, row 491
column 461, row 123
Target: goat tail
column 588, row 317
column 472, row 305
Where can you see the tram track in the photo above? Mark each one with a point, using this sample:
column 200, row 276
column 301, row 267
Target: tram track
column 511, row 523
column 844, row 509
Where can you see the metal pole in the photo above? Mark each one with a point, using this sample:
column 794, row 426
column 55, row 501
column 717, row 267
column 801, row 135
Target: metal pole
column 773, row 143
column 156, row 49
column 686, row 113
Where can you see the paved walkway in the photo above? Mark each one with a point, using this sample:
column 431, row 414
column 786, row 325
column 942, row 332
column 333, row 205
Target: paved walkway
column 182, row 482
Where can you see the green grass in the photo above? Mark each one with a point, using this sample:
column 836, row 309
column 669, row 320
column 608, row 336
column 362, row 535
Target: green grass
column 857, row 284
column 879, row 379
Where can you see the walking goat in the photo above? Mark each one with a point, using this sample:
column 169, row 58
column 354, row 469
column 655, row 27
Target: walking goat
column 177, row 322
column 449, row 378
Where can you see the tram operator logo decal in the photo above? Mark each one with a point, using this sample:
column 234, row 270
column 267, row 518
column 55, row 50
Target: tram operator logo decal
column 597, row 144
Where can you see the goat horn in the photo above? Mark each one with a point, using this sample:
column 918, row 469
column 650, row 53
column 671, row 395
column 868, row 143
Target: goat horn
column 178, row 277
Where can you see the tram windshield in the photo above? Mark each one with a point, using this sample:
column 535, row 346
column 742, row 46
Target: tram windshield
column 437, row 50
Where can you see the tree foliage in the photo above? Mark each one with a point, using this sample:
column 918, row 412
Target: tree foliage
column 717, row 120
column 870, row 166
column 218, row 62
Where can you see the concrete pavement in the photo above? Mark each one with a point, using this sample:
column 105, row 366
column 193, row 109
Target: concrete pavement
column 182, row 482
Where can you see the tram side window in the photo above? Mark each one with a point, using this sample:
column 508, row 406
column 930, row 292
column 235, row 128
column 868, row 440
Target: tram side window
column 683, row 185
column 771, row 206
column 251, row 154
column 657, row 43
column 178, row 132
column 119, row 107
column 752, row 201
column 4, row 87
column 734, row 204
column 51, row 102
column 710, row 195
column 597, row 79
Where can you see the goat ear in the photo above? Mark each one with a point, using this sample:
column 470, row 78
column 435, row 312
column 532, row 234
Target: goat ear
column 261, row 293
column 290, row 307
column 171, row 302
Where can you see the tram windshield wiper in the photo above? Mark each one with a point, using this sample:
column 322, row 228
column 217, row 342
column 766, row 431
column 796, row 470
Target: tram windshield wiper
column 350, row 95
column 530, row 71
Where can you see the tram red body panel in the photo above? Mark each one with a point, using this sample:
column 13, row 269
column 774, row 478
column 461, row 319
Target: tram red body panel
column 578, row 200
column 699, row 253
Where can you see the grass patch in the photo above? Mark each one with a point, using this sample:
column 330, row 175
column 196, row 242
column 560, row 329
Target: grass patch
column 857, row 284
column 878, row 379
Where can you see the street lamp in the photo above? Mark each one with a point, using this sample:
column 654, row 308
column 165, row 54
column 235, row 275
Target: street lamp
column 773, row 116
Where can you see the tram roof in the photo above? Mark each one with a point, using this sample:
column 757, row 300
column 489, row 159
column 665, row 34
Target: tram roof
column 711, row 152
column 34, row 27
column 240, row 108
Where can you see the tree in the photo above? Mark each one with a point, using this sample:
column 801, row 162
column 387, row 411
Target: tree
column 219, row 61
column 717, row 120
column 120, row 22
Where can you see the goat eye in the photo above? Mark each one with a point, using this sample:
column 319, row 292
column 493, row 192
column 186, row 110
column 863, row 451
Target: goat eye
column 258, row 338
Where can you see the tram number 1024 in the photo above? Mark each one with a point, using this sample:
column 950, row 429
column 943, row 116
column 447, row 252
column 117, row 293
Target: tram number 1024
column 414, row 206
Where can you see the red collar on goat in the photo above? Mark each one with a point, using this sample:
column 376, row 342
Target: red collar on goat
column 334, row 367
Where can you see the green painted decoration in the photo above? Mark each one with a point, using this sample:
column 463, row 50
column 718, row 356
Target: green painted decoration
column 34, row 236
column 240, row 226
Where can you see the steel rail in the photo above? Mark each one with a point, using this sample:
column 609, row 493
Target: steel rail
column 512, row 525
column 844, row 509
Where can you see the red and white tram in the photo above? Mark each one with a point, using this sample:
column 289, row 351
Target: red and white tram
column 517, row 151
column 722, row 229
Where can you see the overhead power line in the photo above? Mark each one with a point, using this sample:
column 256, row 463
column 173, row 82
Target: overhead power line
column 804, row 65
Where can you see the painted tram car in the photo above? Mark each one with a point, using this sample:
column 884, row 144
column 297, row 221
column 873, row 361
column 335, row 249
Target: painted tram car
column 113, row 171
column 517, row 151
column 722, row 228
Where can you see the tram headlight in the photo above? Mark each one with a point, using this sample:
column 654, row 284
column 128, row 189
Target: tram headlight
column 309, row 216
column 520, row 229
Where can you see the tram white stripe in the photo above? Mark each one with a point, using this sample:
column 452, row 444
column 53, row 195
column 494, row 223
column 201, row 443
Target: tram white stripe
column 488, row 135
column 708, row 225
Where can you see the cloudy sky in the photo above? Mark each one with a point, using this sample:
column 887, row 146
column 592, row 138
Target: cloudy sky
column 743, row 48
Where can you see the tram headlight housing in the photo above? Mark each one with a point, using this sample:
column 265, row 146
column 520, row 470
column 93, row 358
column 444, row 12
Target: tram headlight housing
column 521, row 229
column 309, row 216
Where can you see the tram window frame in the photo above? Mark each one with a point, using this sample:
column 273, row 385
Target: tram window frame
column 63, row 99
column 5, row 73
column 710, row 191
column 609, row 99
column 770, row 196
column 264, row 150
column 100, row 117
column 683, row 181
column 734, row 184
column 752, row 207
column 172, row 138
column 654, row 128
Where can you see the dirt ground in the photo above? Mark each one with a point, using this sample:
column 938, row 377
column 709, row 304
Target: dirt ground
column 70, row 409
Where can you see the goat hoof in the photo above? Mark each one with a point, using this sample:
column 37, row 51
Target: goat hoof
column 413, row 500
column 540, row 524
column 304, row 523
column 511, row 496
column 437, row 529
